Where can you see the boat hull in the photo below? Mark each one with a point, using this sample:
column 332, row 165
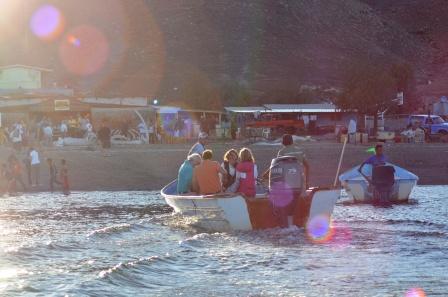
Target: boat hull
column 359, row 190
column 225, row 212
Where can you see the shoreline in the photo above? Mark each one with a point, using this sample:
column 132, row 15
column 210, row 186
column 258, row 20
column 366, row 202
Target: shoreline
column 151, row 167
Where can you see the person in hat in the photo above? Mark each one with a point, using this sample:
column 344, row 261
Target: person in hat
column 376, row 160
column 199, row 147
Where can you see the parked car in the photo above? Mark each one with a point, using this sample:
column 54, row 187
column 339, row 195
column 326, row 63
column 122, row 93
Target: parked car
column 432, row 124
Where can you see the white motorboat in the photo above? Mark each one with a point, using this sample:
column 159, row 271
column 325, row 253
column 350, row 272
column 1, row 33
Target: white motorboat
column 360, row 190
column 225, row 212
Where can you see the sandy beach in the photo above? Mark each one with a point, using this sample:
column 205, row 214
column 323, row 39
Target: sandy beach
column 150, row 167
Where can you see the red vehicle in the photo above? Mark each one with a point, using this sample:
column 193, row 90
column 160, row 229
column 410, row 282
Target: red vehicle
column 278, row 123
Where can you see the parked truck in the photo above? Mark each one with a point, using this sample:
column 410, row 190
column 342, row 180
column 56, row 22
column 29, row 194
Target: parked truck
column 432, row 124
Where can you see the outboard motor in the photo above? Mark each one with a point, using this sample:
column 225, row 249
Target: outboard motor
column 383, row 180
column 286, row 183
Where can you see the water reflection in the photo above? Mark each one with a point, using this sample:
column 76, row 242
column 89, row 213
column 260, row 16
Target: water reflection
column 95, row 242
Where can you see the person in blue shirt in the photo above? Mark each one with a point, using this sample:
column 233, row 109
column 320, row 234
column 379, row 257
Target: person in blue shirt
column 185, row 175
column 378, row 159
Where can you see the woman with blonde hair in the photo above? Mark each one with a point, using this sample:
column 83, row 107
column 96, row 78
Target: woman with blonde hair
column 247, row 173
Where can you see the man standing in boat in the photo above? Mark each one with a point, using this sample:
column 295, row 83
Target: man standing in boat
column 199, row 147
column 290, row 149
column 288, row 179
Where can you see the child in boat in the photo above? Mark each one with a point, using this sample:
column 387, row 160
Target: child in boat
column 247, row 173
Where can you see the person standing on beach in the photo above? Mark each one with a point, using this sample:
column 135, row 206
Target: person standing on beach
column 27, row 163
column 35, row 164
column 53, row 174
column 104, row 138
column 5, row 179
column 64, row 129
column 64, row 178
column 199, row 147
column 16, row 171
column 48, row 135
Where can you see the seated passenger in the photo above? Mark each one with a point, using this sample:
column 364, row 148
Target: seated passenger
column 206, row 179
column 185, row 175
column 246, row 173
column 229, row 164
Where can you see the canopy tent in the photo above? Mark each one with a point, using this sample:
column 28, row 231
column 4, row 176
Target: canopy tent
column 441, row 108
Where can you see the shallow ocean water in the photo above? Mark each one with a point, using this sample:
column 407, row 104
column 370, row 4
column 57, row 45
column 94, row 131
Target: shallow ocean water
column 130, row 244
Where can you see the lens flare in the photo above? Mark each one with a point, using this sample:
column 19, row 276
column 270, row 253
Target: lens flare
column 280, row 194
column 415, row 292
column 342, row 235
column 84, row 50
column 319, row 229
column 47, row 22
column 74, row 41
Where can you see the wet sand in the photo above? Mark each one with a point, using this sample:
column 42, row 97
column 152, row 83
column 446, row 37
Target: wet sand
column 150, row 167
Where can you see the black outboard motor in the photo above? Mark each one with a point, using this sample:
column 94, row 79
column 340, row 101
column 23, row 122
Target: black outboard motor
column 383, row 180
column 286, row 183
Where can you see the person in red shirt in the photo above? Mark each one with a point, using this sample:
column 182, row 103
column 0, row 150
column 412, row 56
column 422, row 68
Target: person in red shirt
column 247, row 173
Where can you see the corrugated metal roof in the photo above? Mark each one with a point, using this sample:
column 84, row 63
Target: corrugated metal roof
column 248, row 109
column 26, row 67
column 274, row 108
column 308, row 108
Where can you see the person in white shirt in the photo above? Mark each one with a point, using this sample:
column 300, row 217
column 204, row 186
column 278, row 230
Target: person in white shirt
column 64, row 129
column 143, row 131
column 35, row 164
column 352, row 131
column 48, row 133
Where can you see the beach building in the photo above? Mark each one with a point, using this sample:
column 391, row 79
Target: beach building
column 271, row 119
column 13, row 77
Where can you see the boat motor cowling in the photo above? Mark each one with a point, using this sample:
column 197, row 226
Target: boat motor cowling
column 383, row 179
column 383, row 176
column 288, row 172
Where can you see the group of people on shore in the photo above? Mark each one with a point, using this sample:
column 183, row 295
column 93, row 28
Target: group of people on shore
column 237, row 173
column 12, row 173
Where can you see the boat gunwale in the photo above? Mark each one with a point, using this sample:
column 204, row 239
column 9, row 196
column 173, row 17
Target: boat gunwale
column 211, row 196
column 230, row 195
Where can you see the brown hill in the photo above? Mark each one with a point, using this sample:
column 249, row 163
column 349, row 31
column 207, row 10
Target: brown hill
column 427, row 22
column 220, row 49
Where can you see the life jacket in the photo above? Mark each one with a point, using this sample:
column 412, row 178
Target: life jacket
column 230, row 178
column 247, row 178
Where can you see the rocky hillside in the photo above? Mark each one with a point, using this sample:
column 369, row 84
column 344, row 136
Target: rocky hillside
column 427, row 21
column 188, row 50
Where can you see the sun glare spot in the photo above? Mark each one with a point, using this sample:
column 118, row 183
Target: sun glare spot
column 84, row 50
column 73, row 41
column 319, row 229
column 415, row 292
column 9, row 273
column 47, row 22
